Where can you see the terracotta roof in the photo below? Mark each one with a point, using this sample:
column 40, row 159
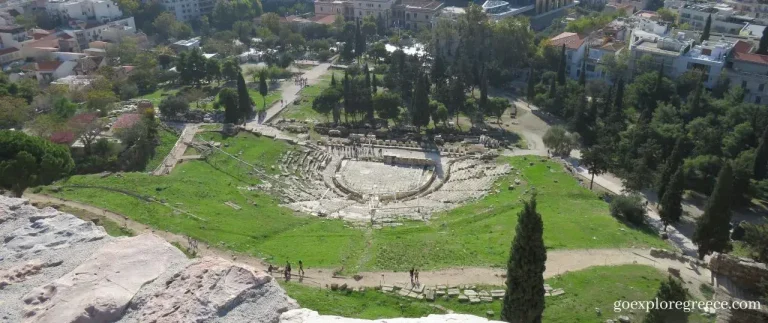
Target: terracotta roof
column 571, row 40
column 128, row 69
column 752, row 58
column 8, row 50
column 742, row 47
column 325, row 19
column 48, row 66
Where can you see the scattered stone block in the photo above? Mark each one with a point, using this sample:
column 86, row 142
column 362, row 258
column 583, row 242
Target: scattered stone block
column 498, row 293
column 486, row 299
column 489, row 313
column 557, row 292
column 474, row 300
column 463, row 298
column 403, row 292
column 418, row 288
column 470, row 293
column 440, row 292
column 441, row 287
column 624, row 319
column 547, row 288
column 430, row 296
column 483, row 294
column 387, row 289
column 454, row 292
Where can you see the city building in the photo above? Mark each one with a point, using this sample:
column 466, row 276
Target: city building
column 596, row 52
column 99, row 10
column 725, row 19
column 749, row 71
column 189, row 10
column 186, row 44
column 662, row 50
column 499, row 9
column 415, row 14
column 407, row 14
column 113, row 31
column 10, row 54
column 708, row 57
column 575, row 47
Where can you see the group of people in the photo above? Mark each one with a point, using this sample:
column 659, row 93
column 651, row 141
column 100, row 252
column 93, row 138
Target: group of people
column 300, row 81
column 414, row 277
column 287, row 270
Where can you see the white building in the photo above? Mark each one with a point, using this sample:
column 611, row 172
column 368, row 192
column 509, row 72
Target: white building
column 12, row 36
column 187, row 44
column 708, row 57
column 498, row 9
column 112, row 31
column 99, row 10
column 189, row 10
column 724, row 18
column 575, row 47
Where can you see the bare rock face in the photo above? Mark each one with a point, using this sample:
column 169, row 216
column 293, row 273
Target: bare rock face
column 744, row 272
column 209, row 288
column 308, row 316
column 20, row 273
column 100, row 288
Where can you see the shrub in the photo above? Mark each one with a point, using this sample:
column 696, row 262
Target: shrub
column 323, row 55
column 629, row 208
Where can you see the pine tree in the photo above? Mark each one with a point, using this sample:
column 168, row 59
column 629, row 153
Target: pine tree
column 707, row 26
column 333, row 80
column 618, row 106
column 531, row 92
column 671, row 202
column 552, row 88
column 761, row 157
column 762, row 48
column 712, row 228
column 374, row 84
column 670, row 290
column 583, row 74
column 524, row 300
column 243, row 99
column 561, row 68
column 674, row 160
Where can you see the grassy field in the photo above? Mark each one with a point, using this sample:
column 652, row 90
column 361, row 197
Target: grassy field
column 167, row 141
column 476, row 234
column 158, row 96
column 585, row 290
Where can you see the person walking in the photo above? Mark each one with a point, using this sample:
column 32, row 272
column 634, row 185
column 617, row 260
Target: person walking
column 301, row 268
column 287, row 271
column 411, row 275
column 416, row 277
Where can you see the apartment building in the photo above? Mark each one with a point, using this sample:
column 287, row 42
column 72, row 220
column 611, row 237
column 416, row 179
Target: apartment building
column 415, row 14
column 99, row 10
column 575, row 47
column 725, row 19
column 749, row 71
column 408, row 14
column 188, row 10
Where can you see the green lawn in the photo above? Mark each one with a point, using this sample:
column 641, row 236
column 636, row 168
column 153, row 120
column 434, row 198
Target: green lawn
column 159, row 94
column 303, row 110
column 585, row 290
column 476, row 234
column 167, row 141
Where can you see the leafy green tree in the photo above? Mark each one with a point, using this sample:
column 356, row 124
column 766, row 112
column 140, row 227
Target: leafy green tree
column 212, row 70
column 244, row 103
column 670, row 290
column 531, row 91
column 30, row 161
column 229, row 100
column 227, row 12
column 172, row 106
column 497, row 106
column 524, row 300
column 671, row 203
column 374, row 84
column 560, row 141
column 387, row 105
column 761, row 157
column 327, row 101
column 230, row 69
column 707, row 26
column 15, row 111
column 597, row 161
column 420, row 111
column 441, row 114
column 712, row 228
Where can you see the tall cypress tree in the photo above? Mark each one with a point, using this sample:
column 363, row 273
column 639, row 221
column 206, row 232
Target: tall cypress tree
column 674, row 160
column 761, row 157
column 707, row 26
column 374, row 84
column 348, row 105
column 420, row 109
column 333, row 80
column 524, row 300
column 670, row 290
column 263, row 87
column 618, row 106
column 552, row 88
column 366, row 93
column 561, row 68
column 243, row 99
column 531, row 91
column 762, row 48
column 712, row 228
column 583, row 74
column 671, row 202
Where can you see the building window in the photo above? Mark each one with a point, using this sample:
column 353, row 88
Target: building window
column 743, row 84
column 757, row 100
column 761, row 87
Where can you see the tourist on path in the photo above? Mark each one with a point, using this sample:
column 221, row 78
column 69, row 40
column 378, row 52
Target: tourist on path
column 412, row 269
column 301, row 268
column 416, row 277
column 287, row 271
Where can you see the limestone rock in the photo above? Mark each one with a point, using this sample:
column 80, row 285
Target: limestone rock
column 208, row 288
column 308, row 316
column 99, row 289
column 50, row 229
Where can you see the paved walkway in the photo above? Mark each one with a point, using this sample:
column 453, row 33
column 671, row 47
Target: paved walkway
column 291, row 91
column 558, row 261
column 177, row 152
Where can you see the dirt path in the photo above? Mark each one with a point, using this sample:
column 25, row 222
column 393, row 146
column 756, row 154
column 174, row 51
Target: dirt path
column 290, row 91
column 558, row 261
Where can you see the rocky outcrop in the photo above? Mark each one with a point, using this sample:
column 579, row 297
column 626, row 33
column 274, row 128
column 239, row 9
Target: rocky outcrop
column 308, row 316
column 99, row 289
column 743, row 272
column 209, row 288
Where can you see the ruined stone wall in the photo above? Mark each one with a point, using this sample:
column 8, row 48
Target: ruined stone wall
column 745, row 273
